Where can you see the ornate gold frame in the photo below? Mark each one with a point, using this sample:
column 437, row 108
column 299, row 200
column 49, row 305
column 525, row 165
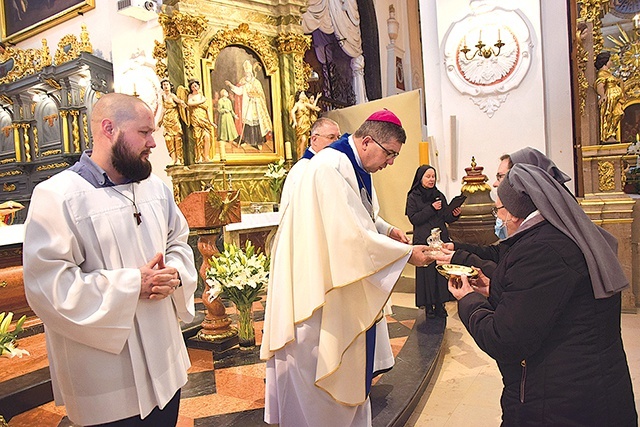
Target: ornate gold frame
column 262, row 48
column 74, row 7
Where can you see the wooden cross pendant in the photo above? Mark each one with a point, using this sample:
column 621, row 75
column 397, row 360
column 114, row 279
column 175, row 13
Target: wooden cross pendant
column 138, row 217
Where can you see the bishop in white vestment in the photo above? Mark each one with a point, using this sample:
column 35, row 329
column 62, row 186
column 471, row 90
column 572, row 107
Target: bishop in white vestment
column 332, row 272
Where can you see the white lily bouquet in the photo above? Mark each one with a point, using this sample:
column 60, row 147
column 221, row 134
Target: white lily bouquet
column 8, row 339
column 276, row 173
column 241, row 275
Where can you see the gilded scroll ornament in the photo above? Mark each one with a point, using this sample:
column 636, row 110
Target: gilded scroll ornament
column 52, row 166
column 160, row 55
column 181, row 24
column 190, row 57
column 593, row 11
column 68, row 48
column 51, row 152
column 243, row 36
column 54, row 84
column 296, row 45
column 20, row 63
column 10, row 173
column 6, row 187
column 582, row 57
column 606, row 176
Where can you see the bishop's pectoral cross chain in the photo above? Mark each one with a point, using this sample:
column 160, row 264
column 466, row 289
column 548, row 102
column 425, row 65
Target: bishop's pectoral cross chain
column 136, row 213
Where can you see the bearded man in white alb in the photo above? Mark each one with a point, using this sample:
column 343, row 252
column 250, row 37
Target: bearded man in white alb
column 108, row 269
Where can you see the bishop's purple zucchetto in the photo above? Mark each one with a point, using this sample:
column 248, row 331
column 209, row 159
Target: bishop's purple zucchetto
column 385, row 116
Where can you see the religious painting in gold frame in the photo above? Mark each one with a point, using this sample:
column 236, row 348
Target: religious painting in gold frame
column 244, row 64
column 21, row 19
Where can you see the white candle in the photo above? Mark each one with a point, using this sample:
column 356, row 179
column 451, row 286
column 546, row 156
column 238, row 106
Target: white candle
column 287, row 150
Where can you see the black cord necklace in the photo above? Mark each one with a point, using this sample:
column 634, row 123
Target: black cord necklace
column 136, row 213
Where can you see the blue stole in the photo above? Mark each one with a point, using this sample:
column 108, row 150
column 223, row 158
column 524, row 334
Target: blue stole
column 308, row 154
column 364, row 183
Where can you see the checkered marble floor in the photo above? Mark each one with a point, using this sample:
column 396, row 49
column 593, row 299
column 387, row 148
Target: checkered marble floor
column 225, row 392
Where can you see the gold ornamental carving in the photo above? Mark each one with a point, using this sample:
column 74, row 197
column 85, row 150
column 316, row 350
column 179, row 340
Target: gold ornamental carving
column 23, row 63
column 190, row 57
column 5, row 161
column 10, row 173
column 296, row 45
column 6, row 187
column 182, row 24
column 255, row 40
column 293, row 43
column 593, row 11
column 52, row 166
column 606, row 176
column 51, row 152
column 54, row 84
column 160, row 55
column 69, row 48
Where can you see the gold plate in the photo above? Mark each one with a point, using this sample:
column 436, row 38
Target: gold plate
column 448, row 270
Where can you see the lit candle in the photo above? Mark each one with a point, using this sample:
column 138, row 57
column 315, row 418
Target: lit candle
column 287, row 150
column 423, row 152
column 464, row 41
column 498, row 34
column 480, row 36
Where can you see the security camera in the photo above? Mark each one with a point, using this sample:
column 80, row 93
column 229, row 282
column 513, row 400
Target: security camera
column 150, row 6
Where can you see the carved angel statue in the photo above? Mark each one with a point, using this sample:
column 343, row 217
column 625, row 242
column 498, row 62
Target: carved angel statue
column 199, row 119
column 610, row 98
column 174, row 109
column 303, row 114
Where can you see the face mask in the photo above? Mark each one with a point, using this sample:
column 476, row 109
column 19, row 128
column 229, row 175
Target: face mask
column 500, row 229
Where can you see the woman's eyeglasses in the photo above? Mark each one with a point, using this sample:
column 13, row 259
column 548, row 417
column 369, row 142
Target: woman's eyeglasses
column 495, row 209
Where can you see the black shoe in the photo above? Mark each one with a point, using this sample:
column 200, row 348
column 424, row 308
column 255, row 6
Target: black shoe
column 441, row 311
column 431, row 314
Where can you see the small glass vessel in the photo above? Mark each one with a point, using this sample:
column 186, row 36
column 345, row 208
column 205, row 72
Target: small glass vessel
column 434, row 241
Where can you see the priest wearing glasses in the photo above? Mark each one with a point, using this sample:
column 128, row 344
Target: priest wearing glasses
column 334, row 264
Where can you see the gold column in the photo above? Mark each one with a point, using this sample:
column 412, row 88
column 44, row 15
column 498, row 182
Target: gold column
column 27, row 146
column 16, row 141
column 291, row 49
column 75, row 130
column 65, row 130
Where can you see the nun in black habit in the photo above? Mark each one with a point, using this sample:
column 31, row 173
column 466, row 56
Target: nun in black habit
column 427, row 209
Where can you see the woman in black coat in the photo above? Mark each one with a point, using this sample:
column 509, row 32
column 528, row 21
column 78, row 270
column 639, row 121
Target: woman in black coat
column 426, row 209
column 550, row 314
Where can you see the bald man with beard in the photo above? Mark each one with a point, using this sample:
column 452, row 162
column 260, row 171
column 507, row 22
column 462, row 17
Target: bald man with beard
column 108, row 269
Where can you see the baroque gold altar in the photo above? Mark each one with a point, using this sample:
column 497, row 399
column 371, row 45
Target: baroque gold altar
column 248, row 74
